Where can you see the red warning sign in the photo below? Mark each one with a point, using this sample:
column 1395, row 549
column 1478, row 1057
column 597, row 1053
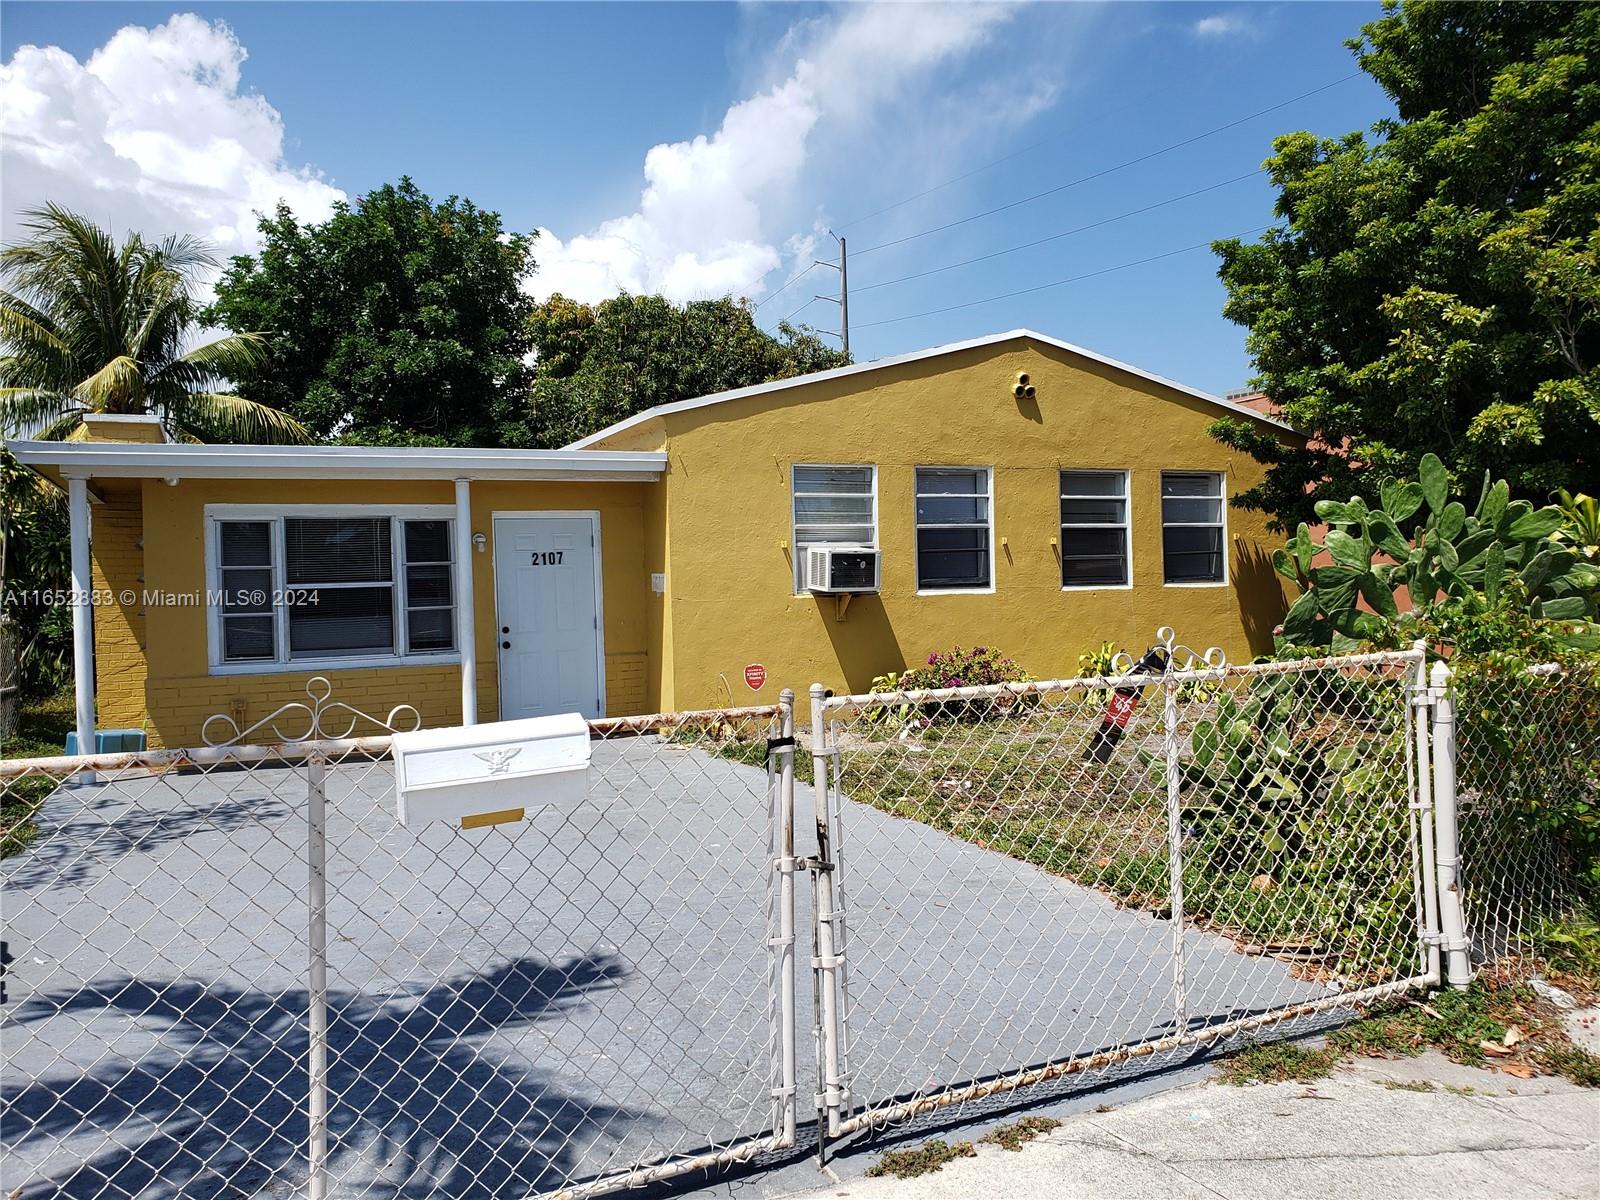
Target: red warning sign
column 756, row 676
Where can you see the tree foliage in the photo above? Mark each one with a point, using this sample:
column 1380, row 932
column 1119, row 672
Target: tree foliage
column 601, row 363
column 1434, row 286
column 396, row 320
column 90, row 326
column 34, row 559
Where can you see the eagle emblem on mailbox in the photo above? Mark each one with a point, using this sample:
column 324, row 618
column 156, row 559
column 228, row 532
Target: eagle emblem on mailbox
column 499, row 760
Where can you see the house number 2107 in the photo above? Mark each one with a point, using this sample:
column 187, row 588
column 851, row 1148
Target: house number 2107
column 547, row 558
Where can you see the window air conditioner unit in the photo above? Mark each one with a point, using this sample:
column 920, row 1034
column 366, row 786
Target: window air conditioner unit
column 841, row 569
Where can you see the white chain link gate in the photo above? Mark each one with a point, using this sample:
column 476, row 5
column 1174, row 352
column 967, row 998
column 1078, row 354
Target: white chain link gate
column 1022, row 882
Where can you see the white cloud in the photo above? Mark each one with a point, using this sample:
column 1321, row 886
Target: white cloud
column 1222, row 25
column 151, row 134
column 699, row 229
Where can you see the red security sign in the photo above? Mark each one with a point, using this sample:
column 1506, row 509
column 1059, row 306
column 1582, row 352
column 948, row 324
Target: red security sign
column 756, row 676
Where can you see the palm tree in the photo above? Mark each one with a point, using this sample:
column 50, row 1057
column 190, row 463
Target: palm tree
column 88, row 326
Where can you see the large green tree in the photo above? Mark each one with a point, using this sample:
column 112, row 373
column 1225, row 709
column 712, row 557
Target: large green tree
column 395, row 320
column 604, row 362
column 90, row 326
column 1433, row 287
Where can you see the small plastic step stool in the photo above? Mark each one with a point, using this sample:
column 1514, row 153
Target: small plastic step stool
column 110, row 741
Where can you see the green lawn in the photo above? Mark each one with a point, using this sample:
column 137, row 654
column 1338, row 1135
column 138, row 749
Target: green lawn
column 42, row 729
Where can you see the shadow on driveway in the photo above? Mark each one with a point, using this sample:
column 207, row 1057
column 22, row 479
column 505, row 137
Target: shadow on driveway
column 219, row 1105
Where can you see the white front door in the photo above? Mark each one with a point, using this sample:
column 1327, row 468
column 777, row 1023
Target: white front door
column 548, row 613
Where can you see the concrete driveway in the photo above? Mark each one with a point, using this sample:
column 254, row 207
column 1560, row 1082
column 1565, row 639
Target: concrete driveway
column 516, row 1006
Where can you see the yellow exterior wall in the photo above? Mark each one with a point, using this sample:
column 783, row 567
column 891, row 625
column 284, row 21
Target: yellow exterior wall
column 167, row 687
column 116, row 526
column 730, row 572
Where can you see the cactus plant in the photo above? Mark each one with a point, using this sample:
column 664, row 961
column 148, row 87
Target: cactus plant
column 1475, row 557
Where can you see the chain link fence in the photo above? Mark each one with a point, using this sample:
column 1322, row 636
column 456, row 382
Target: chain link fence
column 234, row 973
column 1032, row 880
column 1528, row 768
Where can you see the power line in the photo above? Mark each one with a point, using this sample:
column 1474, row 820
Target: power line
column 1189, row 141
column 933, row 312
column 801, row 309
column 795, row 278
column 1055, row 237
column 1162, row 93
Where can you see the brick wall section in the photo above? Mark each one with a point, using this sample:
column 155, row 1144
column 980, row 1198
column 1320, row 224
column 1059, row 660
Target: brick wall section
column 627, row 677
column 116, row 527
column 185, row 703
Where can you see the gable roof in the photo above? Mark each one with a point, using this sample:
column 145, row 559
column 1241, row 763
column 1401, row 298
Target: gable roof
column 878, row 364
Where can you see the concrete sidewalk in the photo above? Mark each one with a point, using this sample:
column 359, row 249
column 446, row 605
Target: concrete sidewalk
column 1401, row 1129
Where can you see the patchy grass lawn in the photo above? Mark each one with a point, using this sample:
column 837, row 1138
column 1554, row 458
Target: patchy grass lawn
column 925, row 1159
column 42, row 728
column 1337, row 903
column 1495, row 1023
column 932, row 1155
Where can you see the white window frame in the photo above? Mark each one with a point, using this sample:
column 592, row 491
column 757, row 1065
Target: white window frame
column 1222, row 497
column 274, row 514
column 1126, row 526
column 917, row 527
column 799, row 563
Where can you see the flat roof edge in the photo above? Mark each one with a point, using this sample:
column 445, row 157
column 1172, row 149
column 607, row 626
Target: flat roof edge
column 136, row 460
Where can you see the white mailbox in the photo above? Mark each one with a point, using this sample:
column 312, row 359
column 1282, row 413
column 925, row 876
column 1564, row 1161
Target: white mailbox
column 484, row 774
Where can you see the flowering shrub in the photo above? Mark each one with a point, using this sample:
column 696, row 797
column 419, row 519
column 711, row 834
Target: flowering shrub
column 980, row 666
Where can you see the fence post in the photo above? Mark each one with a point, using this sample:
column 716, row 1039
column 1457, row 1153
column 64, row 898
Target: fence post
column 1452, row 921
column 1421, row 707
column 317, row 990
column 825, row 962
column 787, row 1076
column 1169, row 689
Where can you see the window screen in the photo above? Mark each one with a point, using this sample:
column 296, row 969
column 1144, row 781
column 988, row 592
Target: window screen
column 1094, row 529
column 1191, row 526
column 953, row 514
column 833, row 506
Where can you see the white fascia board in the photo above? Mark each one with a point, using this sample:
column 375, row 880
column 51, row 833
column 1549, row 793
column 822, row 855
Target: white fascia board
column 760, row 389
column 148, row 461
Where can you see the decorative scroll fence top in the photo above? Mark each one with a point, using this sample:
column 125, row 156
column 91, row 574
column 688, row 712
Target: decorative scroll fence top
column 220, row 729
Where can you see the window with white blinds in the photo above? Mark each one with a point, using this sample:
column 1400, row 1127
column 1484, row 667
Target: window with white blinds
column 345, row 587
column 833, row 506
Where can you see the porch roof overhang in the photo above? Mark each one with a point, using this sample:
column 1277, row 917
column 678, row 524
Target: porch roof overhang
column 121, row 460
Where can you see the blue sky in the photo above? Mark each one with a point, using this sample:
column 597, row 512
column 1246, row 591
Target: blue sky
column 750, row 129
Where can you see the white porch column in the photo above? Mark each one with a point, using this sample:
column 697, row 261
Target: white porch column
column 466, row 624
column 82, row 614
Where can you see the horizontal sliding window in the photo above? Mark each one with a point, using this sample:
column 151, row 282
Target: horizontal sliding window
column 1192, row 526
column 1094, row 529
column 330, row 588
column 953, row 534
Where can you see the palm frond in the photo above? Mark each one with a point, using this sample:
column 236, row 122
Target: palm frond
column 117, row 387
column 232, row 357
column 24, row 411
column 217, row 417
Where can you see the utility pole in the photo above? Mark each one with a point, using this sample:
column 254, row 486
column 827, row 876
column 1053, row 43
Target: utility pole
column 843, row 298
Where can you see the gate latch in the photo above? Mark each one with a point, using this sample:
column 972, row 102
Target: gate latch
column 813, row 864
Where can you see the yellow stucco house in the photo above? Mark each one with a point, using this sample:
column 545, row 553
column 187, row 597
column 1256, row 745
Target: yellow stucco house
column 1013, row 491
